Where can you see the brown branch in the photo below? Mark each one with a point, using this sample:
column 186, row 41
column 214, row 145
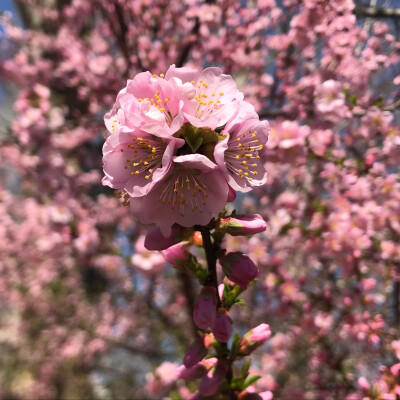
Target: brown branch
column 377, row 12
column 183, row 56
column 151, row 353
column 211, row 279
column 186, row 49
column 187, row 288
column 275, row 114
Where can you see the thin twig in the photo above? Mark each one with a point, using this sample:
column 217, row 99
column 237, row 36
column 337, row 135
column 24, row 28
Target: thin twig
column 211, row 279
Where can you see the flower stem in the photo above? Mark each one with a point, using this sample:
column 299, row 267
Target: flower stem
column 210, row 250
column 212, row 280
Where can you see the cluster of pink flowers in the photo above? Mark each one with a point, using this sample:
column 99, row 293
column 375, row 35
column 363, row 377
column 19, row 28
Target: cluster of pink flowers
column 179, row 144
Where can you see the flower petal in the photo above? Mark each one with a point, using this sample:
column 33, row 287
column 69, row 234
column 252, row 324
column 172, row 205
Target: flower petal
column 187, row 196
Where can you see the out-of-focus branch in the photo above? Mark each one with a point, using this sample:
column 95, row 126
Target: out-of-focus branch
column 121, row 35
column 26, row 13
column 390, row 107
column 275, row 114
column 133, row 349
column 187, row 288
column 356, row 112
column 186, row 49
column 377, row 12
column 184, row 54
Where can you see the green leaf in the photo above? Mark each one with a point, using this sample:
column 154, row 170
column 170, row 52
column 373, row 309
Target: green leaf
column 240, row 302
column 200, row 272
column 236, row 383
column 244, row 371
column 235, row 345
column 193, row 138
column 250, row 381
column 209, row 136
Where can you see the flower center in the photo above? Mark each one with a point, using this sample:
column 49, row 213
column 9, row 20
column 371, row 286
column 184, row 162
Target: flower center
column 207, row 100
column 242, row 154
column 162, row 104
column 144, row 155
column 185, row 190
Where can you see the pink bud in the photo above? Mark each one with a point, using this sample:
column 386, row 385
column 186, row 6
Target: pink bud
column 363, row 383
column 369, row 159
column 243, row 225
column 254, row 338
column 213, row 379
column 198, row 370
column 196, row 353
column 222, row 328
column 239, row 268
column 246, row 395
column 177, row 255
column 205, row 309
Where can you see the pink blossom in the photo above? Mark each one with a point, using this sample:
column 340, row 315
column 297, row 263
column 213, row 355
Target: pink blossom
column 134, row 160
column 330, row 101
column 168, row 372
column 193, row 191
column 145, row 261
column 162, row 149
column 239, row 154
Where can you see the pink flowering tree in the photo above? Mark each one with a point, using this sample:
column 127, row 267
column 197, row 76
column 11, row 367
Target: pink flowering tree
column 90, row 305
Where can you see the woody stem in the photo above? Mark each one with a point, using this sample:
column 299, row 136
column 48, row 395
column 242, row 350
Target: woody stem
column 209, row 248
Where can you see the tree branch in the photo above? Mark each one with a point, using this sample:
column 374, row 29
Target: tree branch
column 187, row 288
column 211, row 279
column 183, row 56
column 377, row 12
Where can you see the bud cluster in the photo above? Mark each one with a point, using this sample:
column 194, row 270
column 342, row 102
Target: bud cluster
column 212, row 354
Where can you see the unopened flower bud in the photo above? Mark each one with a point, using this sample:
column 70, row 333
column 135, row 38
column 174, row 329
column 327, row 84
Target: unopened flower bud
column 197, row 351
column 213, row 379
column 206, row 308
column 208, row 340
column 177, row 255
column 197, row 239
column 239, row 268
column 250, row 394
column 243, row 225
column 246, row 395
column 222, row 328
column 254, row 338
column 198, row 370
